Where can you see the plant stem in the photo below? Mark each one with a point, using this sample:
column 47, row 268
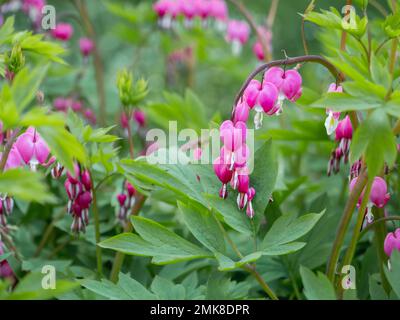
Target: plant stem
column 248, row 267
column 379, row 7
column 130, row 138
column 97, row 61
column 344, row 223
column 119, row 257
column 356, row 232
column 261, row 281
column 378, row 221
column 7, row 148
column 48, row 232
column 381, row 45
column 96, row 216
column 380, row 234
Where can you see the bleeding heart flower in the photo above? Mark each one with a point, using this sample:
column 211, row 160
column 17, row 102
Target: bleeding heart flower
column 332, row 119
column 86, row 46
column 287, row 82
column 251, row 193
column 224, row 174
column 139, row 117
column 32, row 148
column 233, row 135
column 378, row 197
column 62, row 31
column 392, row 242
column 241, row 113
column 252, row 92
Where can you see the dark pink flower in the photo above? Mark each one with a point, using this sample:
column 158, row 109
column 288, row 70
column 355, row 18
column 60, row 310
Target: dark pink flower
column 86, row 46
column 392, row 242
column 62, row 31
column 32, row 148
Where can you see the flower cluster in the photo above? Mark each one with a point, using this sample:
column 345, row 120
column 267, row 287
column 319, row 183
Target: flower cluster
column 378, row 197
column 64, row 104
column 168, row 11
column 232, row 164
column 78, row 186
column 268, row 97
column 126, row 200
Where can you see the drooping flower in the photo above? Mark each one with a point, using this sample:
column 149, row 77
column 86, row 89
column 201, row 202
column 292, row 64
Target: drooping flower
column 34, row 9
column 238, row 33
column 61, row 104
column 378, row 197
column 76, row 105
column 332, row 119
column 124, row 120
column 267, row 103
column 288, row 82
column 78, row 186
column 32, row 148
column 90, row 116
column 258, row 49
column 219, row 11
column 86, row 46
column 344, row 134
column 139, row 117
column 62, row 31
column 126, row 200
column 224, row 174
column 6, row 271
column 241, row 112
column 252, row 92
column 250, row 196
column 243, row 185
column 392, row 242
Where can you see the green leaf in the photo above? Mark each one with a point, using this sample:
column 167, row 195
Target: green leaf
column 264, row 177
column 25, row 185
column 227, row 264
column 26, row 84
column 344, row 102
column 126, row 289
column 167, row 290
column 38, row 117
column 63, row 145
column 7, row 29
column 30, row 288
column 375, row 139
column 9, row 113
column 232, row 216
column 36, row 44
column 391, row 25
column 203, row 225
column 155, row 240
column 98, row 135
column 316, row 287
column 283, row 249
column 376, row 290
column 393, row 275
column 285, row 230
